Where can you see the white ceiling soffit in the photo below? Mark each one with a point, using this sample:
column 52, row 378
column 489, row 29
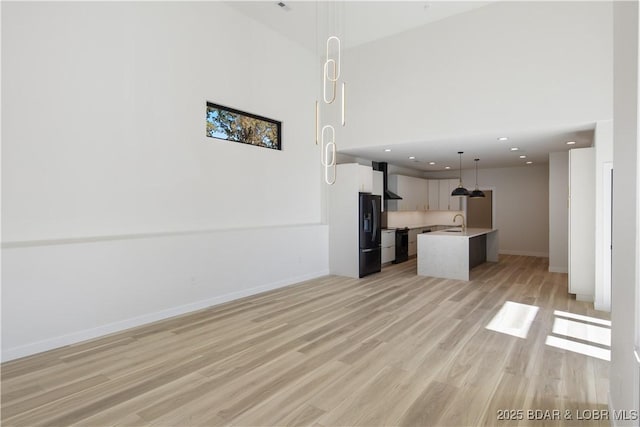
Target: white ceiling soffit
column 534, row 144
column 360, row 21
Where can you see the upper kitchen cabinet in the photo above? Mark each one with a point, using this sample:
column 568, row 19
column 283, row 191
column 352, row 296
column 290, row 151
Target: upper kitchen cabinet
column 455, row 203
column 414, row 192
column 445, row 201
column 434, row 194
column 444, row 195
column 421, row 189
column 420, row 194
column 365, row 179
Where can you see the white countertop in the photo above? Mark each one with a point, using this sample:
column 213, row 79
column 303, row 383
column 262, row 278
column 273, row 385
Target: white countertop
column 468, row 233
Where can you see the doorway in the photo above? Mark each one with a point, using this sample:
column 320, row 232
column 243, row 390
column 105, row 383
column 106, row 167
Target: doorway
column 480, row 211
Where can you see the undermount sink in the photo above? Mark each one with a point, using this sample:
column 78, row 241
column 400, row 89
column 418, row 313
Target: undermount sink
column 453, row 231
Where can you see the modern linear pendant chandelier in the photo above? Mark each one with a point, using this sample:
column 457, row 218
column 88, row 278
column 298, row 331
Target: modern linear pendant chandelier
column 331, row 77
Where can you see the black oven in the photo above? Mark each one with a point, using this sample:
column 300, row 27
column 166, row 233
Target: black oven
column 402, row 245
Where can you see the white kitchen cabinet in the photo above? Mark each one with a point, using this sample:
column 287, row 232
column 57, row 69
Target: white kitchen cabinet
column 422, row 189
column 444, row 195
column 424, row 194
column 446, row 202
column 455, row 203
column 414, row 192
column 433, row 194
column 419, row 190
column 400, row 185
column 365, row 179
column 388, row 246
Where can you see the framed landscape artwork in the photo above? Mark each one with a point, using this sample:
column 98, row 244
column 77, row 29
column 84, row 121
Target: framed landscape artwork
column 237, row 126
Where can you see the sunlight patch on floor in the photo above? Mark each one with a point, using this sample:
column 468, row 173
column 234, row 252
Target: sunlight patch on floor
column 581, row 334
column 577, row 347
column 589, row 319
column 513, row 319
column 582, row 331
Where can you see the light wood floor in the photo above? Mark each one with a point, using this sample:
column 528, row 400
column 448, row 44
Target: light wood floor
column 390, row 349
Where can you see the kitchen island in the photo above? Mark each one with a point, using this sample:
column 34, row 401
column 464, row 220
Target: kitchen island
column 451, row 253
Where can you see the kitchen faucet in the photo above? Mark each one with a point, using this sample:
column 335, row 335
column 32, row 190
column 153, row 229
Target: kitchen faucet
column 464, row 227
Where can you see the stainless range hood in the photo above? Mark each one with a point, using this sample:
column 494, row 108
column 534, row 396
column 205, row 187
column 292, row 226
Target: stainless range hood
column 382, row 167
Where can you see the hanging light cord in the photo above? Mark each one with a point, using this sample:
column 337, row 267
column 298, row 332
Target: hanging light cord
column 460, row 153
column 476, row 160
column 477, row 192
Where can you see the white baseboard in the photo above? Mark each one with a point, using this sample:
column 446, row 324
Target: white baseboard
column 88, row 334
column 584, row 297
column 524, row 253
column 558, row 269
column 601, row 307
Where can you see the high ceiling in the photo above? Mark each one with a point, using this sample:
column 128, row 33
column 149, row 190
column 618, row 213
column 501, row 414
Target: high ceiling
column 359, row 21
column 362, row 22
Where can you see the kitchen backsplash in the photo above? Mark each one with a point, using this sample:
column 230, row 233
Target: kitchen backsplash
column 412, row 218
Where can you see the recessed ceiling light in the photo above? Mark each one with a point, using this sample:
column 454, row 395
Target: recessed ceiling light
column 503, row 138
column 432, row 163
column 529, row 162
column 514, row 148
column 570, row 142
column 523, row 157
column 387, row 150
column 447, row 167
column 412, row 157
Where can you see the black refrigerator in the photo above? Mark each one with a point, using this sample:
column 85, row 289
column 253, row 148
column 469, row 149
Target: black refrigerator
column 370, row 210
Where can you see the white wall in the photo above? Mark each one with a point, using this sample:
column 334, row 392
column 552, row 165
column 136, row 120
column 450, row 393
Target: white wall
column 603, row 144
column 558, row 212
column 624, row 377
column 104, row 136
column 521, row 198
column 104, row 130
column 508, row 65
column 64, row 293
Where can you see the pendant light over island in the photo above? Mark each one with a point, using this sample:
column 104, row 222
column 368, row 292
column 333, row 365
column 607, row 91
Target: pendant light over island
column 477, row 192
column 460, row 191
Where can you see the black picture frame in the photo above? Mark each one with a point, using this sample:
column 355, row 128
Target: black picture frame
column 234, row 125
